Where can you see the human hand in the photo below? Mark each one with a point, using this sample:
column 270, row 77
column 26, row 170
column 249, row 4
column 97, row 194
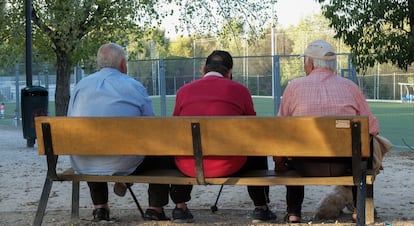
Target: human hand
column 281, row 164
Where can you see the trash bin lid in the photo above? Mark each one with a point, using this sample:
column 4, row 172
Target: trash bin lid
column 34, row 91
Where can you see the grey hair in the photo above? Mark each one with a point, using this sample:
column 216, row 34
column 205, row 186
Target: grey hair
column 330, row 64
column 110, row 55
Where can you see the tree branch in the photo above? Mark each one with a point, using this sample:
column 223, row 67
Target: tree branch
column 86, row 21
column 411, row 17
column 36, row 20
column 42, row 26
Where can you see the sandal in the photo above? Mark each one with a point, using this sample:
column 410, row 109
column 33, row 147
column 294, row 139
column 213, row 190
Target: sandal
column 354, row 216
column 297, row 217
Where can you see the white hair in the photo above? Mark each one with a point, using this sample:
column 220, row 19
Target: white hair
column 110, row 55
column 319, row 63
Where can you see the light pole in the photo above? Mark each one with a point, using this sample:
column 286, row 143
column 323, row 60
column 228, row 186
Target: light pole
column 194, row 55
column 34, row 99
column 28, row 43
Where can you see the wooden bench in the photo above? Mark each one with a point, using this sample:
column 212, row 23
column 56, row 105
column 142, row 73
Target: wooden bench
column 208, row 136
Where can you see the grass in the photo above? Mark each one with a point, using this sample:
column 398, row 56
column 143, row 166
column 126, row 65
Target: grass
column 396, row 119
column 396, row 122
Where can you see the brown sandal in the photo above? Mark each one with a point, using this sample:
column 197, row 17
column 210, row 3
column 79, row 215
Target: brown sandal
column 288, row 220
column 354, row 216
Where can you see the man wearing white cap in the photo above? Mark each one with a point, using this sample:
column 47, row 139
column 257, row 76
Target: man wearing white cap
column 320, row 93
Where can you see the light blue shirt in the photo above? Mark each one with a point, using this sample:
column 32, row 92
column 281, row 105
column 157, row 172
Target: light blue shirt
column 108, row 92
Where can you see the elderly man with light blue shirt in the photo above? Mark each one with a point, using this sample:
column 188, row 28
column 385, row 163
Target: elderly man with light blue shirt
column 108, row 92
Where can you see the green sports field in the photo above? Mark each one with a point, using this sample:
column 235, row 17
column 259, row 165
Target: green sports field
column 396, row 119
column 396, row 122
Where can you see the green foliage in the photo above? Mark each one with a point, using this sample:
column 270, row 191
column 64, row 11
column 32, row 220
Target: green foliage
column 215, row 17
column 153, row 45
column 298, row 37
column 12, row 35
column 70, row 32
column 182, row 47
column 377, row 31
column 312, row 28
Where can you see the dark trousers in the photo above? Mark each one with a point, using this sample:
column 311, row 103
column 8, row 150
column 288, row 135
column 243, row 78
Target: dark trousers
column 309, row 167
column 258, row 194
column 99, row 192
column 157, row 193
column 182, row 193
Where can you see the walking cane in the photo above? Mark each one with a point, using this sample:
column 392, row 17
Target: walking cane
column 214, row 207
column 136, row 201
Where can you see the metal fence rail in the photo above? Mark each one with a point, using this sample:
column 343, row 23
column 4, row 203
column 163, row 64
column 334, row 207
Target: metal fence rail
column 263, row 75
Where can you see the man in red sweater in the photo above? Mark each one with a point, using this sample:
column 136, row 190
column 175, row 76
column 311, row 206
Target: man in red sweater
column 216, row 94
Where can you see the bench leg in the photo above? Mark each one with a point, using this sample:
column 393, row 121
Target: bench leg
column 370, row 209
column 75, row 200
column 47, row 187
column 361, row 201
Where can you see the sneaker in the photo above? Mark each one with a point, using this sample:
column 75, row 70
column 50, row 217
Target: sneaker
column 261, row 215
column 101, row 214
column 153, row 215
column 121, row 188
column 180, row 215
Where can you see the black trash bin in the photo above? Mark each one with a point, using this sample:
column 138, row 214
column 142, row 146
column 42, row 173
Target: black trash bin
column 34, row 102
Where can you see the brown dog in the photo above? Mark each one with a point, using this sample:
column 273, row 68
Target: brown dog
column 334, row 203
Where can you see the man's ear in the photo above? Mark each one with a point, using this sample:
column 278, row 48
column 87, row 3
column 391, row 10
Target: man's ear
column 203, row 70
column 308, row 66
column 123, row 67
column 230, row 74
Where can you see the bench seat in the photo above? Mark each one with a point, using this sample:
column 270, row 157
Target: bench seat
column 253, row 177
column 322, row 137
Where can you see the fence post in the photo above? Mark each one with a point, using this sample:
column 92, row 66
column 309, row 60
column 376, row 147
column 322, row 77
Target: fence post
column 162, row 87
column 17, row 95
column 393, row 86
column 277, row 90
column 153, row 70
column 351, row 69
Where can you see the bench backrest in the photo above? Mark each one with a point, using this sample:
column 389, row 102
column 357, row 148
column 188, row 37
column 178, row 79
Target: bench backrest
column 250, row 136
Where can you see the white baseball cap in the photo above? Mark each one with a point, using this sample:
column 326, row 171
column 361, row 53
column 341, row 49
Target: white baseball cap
column 320, row 49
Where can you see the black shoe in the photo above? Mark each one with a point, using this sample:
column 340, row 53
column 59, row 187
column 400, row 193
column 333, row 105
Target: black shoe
column 180, row 215
column 153, row 215
column 101, row 214
column 261, row 215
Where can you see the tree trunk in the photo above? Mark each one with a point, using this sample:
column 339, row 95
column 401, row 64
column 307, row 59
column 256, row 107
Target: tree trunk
column 62, row 93
column 411, row 17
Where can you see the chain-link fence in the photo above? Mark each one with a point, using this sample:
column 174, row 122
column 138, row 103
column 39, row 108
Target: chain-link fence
column 263, row 75
column 396, row 86
column 255, row 72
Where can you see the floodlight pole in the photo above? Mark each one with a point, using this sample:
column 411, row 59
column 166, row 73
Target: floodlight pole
column 28, row 43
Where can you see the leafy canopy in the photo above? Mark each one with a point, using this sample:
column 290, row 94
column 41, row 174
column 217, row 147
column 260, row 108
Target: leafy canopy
column 377, row 31
column 70, row 31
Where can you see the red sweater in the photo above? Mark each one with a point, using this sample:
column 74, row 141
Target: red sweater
column 213, row 95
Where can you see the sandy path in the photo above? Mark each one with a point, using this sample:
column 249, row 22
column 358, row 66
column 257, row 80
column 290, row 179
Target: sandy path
column 22, row 173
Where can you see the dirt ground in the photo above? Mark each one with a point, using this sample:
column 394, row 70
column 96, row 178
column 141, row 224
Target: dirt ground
column 22, row 174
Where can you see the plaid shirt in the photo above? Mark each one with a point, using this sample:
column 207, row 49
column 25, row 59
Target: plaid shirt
column 322, row 93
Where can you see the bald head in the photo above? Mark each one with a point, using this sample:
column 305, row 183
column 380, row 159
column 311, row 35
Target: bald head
column 112, row 55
